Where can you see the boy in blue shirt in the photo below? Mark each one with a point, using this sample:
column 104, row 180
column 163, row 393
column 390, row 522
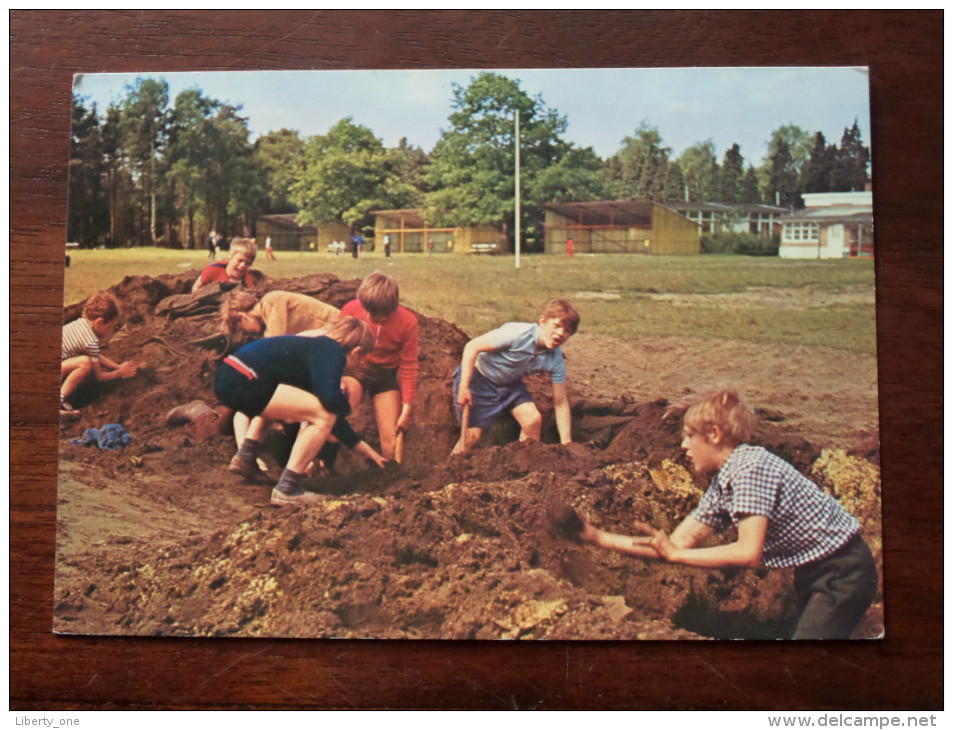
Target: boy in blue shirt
column 783, row 520
column 489, row 379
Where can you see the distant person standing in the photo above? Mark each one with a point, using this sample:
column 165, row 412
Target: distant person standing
column 354, row 245
column 569, row 247
column 387, row 245
column 360, row 245
column 269, row 251
column 212, row 251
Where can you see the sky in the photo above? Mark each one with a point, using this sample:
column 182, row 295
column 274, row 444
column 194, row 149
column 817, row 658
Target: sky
column 602, row 106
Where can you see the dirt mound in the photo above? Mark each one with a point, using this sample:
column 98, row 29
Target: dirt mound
column 159, row 538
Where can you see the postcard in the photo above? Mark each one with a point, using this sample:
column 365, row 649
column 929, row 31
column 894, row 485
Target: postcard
column 537, row 354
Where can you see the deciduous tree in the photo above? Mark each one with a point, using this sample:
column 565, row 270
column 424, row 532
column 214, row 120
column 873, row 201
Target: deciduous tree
column 472, row 175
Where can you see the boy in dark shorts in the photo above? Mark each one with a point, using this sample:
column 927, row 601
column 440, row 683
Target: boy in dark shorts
column 489, row 379
column 295, row 380
column 390, row 369
column 783, row 519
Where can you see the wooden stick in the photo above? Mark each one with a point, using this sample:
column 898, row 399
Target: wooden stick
column 464, row 427
column 399, row 447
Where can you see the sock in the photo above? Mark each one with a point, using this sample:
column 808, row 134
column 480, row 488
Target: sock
column 290, row 482
column 249, row 450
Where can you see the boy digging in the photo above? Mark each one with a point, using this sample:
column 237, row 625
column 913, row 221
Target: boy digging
column 783, row 520
column 391, row 368
column 489, row 380
column 82, row 339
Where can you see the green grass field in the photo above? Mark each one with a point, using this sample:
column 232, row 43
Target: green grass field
column 617, row 295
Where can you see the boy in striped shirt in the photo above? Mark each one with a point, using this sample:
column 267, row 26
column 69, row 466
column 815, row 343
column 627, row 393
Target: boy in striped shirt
column 783, row 520
column 81, row 357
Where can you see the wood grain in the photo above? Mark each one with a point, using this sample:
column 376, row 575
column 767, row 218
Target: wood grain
column 904, row 671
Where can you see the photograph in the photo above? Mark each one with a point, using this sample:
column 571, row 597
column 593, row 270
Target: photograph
column 480, row 354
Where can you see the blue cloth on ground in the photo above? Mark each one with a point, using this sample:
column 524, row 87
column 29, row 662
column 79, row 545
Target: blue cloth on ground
column 110, row 437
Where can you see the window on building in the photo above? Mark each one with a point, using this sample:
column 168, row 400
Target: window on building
column 808, row 232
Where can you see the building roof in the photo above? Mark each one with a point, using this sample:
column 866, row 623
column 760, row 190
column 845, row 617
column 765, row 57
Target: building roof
column 287, row 220
column 681, row 205
column 413, row 217
column 833, row 214
column 607, row 212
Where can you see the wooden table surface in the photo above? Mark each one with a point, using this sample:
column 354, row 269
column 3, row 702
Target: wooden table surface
column 904, row 671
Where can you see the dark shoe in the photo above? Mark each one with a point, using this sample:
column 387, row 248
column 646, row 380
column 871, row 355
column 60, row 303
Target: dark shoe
column 246, row 469
column 67, row 411
column 280, row 498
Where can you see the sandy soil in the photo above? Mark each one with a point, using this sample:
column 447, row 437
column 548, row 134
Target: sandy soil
column 159, row 538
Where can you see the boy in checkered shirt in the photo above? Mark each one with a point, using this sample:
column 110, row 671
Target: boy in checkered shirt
column 783, row 520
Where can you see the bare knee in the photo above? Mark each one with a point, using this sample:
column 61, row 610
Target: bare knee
column 532, row 426
column 321, row 418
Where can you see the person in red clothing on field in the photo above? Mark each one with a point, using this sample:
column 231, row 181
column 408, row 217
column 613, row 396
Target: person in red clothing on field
column 391, row 370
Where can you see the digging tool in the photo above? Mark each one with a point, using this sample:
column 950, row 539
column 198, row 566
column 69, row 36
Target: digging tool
column 464, row 427
column 566, row 523
column 399, row 447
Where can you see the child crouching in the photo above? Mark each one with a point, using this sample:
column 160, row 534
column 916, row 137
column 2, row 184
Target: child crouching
column 783, row 520
column 81, row 357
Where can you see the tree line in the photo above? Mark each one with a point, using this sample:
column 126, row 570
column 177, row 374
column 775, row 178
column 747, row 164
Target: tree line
column 151, row 172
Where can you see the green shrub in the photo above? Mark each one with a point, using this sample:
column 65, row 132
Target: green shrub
column 742, row 244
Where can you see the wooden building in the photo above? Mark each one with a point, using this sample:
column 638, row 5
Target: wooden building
column 287, row 235
column 619, row 226
column 410, row 233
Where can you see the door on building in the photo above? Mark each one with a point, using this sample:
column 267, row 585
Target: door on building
column 835, row 242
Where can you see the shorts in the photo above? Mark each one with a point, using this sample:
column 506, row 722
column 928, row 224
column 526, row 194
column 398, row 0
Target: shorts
column 243, row 392
column 378, row 379
column 833, row 593
column 490, row 401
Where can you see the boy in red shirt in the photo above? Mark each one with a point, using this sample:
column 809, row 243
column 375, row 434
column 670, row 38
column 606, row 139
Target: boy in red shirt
column 236, row 269
column 391, row 368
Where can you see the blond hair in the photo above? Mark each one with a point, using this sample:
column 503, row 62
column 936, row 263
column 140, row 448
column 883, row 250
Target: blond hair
column 379, row 294
column 102, row 305
column 721, row 407
column 245, row 245
column 350, row 333
column 237, row 303
column 564, row 311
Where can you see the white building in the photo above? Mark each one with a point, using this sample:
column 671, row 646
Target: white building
column 831, row 226
column 716, row 217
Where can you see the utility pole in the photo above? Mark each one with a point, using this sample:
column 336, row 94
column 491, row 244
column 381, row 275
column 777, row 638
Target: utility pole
column 517, row 188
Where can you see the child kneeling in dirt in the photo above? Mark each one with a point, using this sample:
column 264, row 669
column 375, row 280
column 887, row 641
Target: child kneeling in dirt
column 82, row 339
column 783, row 520
column 276, row 313
column 294, row 379
column 236, row 269
column 489, row 380
column 390, row 372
